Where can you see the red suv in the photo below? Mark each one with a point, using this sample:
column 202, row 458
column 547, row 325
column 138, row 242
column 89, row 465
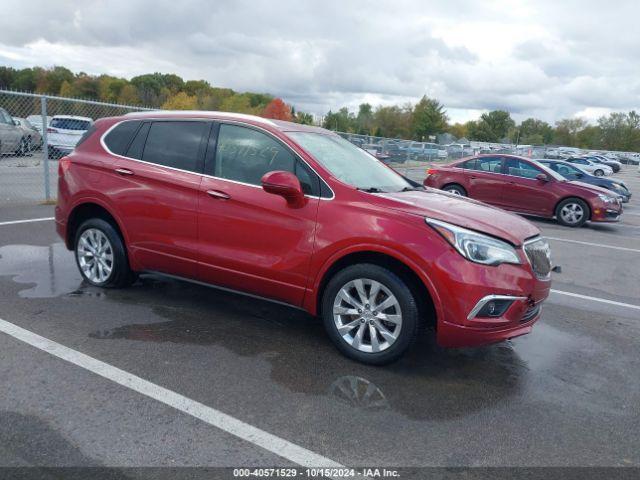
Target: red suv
column 526, row 186
column 298, row 215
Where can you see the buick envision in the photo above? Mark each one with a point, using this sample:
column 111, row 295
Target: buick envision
column 298, row 215
column 528, row 187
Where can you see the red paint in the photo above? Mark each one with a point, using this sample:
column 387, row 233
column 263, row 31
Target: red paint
column 272, row 241
column 518, row 194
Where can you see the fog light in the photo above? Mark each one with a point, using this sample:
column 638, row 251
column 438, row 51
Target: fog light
column 494, row 308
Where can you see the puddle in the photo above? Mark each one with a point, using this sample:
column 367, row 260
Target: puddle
column 48, row 271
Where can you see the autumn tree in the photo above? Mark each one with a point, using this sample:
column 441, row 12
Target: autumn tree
column 181, row 101
column 277, row 110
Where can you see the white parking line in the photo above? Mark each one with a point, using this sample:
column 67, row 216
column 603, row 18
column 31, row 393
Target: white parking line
column 613, row 247
column 596, row 299
column 216, row 418
column 30, row 220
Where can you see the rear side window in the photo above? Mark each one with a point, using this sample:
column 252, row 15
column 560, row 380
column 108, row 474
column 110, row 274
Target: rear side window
column 70, row 124
column 470, row 164
column 119, row 138
column 176, row 144
column 137, row 145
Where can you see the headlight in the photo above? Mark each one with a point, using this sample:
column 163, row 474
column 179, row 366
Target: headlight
column 475, row 246
column 606, row 198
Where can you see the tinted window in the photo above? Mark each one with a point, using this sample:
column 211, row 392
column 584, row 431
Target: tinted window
column 470, row 164
column 137, row 145
column 175, row 144
column 308, row 180
column 118, row 139
column 489, row 164
column 520, row 168
column 70, row 124
column 245, row 155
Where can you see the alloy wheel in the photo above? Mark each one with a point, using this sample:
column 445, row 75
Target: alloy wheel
column 95, row 255
column 572, row 213
column 367, row 315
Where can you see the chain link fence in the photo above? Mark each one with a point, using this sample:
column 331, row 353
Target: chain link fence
column 35, row 131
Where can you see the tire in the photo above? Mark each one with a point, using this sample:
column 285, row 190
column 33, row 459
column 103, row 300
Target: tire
column 599, row 173
column 92, row 234
column 455, row 189
column 391, row 337
column 22, row 150
column 565, row 216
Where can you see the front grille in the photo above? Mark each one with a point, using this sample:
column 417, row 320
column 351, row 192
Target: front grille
column 539, row 256
column 531, row 312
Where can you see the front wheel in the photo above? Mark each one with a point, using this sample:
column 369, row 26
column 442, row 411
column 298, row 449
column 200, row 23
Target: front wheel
column 572, row 212
column 101, row 255
column 456, row 190
column 370, row 314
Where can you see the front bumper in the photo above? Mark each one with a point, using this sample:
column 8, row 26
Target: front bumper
column 606, row 212
column 469, row 283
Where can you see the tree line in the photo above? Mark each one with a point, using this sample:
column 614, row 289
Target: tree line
column 420, row 121
column 154, row 90
column 428, row 118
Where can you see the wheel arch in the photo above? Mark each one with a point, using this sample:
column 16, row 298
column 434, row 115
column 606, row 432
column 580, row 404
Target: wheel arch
column 457, row 184
column 568, row 197
column 86, row 210
column 420, row 285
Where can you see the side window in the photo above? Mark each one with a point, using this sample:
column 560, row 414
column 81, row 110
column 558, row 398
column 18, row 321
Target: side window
column 470, row 164
column 489, row 164
column 118, row 139
column 245, row 155
column 519, row 168
column 4, row 117
column 308, row 180
column 137, row 145
column 175, row 144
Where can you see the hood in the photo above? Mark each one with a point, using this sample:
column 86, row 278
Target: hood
column 460, row 211
column 593, row 188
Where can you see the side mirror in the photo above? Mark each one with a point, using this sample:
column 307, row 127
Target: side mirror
column 285, row 184
column 579, row 175
column 16, row 123
column 543, row 177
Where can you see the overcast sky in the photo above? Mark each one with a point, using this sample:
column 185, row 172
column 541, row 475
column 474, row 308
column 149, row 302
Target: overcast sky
column 547, row 59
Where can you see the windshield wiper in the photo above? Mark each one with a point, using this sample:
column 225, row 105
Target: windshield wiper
column 371, row 190
column 412, row 189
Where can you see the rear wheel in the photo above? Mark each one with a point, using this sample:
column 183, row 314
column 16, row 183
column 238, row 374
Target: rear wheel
column 370, row 314
column 572, row 212
column 599, row 173
column 101, row 255
column 455, row 189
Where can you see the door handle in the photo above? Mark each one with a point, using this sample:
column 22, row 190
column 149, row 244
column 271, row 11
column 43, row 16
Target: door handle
column 123, row 171
column 218, row 195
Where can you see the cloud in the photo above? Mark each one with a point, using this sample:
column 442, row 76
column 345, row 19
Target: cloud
column 534, row 58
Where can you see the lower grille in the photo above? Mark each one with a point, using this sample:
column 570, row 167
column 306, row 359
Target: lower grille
column 531, row 312
column 539, row 256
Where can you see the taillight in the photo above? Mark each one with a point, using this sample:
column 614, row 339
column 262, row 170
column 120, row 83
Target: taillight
column 64, row 164
column 431, row 171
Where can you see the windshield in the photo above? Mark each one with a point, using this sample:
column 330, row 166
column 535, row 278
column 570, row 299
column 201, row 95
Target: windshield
column 350, row 164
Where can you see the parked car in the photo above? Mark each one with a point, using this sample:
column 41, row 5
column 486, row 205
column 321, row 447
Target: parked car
column 298, row 215
column 610, row 162
column 30, row 134
column 64, row 132
column 376, row 150
column 521, row 185
column 598, row 169
column 36, row 121
column 12, row 138
column 572, row 172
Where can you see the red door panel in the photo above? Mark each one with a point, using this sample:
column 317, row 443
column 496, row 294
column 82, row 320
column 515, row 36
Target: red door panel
column 158, row 207
column 525, row 193
column 253, row 241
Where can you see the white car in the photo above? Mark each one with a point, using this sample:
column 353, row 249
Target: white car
column 30, row 134
column 12, row 140
column 36, row 121
column 597, row 169
column 64, row 133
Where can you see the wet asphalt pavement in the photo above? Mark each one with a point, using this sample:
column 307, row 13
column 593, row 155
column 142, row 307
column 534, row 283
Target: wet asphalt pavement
column 568, row 394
